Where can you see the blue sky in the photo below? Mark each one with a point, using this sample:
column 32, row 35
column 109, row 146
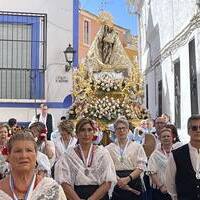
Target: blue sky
column 117, row 8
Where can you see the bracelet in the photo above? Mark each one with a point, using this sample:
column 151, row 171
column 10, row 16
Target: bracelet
column 130, row 177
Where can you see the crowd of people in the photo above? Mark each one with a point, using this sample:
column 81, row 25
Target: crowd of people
column 148, row 162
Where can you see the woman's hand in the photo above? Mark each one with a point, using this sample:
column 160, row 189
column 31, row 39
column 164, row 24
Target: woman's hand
column 121, row 182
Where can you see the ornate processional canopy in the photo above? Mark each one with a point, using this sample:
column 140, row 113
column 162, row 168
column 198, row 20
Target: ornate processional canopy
column 107, row 84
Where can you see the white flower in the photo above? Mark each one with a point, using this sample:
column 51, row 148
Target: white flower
column 126, row 110
column 108, row 89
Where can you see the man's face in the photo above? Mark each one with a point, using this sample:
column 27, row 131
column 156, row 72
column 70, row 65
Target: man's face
column 159, row 124
column 44, row 110
column 194, row 130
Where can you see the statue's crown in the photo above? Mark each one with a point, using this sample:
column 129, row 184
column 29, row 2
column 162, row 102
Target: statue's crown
column 105, row 18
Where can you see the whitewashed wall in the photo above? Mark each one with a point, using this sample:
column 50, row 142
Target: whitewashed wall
column 59, row 35
column 159, row 23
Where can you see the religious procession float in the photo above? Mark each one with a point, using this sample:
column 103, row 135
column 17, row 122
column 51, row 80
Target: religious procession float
column 107, row 84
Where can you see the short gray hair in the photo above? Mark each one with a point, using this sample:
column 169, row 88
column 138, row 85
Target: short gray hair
column 122, row 120
column 22, row 135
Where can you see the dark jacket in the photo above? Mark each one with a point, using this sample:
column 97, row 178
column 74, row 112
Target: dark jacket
column 49, row 125
column 187, row 185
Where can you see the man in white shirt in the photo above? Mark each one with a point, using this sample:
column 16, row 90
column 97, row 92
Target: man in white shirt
column 46, row 118
column 183, row 168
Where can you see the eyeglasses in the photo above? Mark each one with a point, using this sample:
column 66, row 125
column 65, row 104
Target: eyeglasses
column 195, row 127
column 121, row 128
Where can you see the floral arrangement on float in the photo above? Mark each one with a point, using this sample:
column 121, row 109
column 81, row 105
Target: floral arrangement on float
column 105, row 108
column 107, row 84
column 105, row 98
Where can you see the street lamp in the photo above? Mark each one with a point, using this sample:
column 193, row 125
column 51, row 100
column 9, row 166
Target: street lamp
column 69, row 56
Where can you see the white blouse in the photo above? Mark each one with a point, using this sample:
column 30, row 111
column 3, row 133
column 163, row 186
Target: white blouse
column 157, row 164
column 43, row 163
column 71, row 169
column 60, row 147
column 133, row 156
column 51, row 145
column 46, row 189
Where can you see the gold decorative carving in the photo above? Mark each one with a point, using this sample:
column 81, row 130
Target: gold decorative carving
column 107, row 84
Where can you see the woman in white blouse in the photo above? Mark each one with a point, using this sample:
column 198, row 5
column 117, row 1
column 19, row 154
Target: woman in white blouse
column 130, row 161
column 87, row 170
column 66, row 138
column 157, row 165
column 45, row 146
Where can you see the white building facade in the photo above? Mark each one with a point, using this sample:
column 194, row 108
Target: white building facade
column 33, row 37
column 169, row 55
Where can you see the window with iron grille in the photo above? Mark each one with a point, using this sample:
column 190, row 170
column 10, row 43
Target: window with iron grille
column 86, row 32
column 22, row 55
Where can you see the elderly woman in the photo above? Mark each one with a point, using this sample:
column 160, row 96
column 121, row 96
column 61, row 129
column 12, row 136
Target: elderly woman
column 157, row 165
column 176, row 141
column 23, row 182
column 66, row 139
column 129, row 160
column 4, row 131
column 45, row 146
column 86, row 171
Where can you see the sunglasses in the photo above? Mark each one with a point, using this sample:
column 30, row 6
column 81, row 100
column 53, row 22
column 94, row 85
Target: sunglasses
column 195, row 127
